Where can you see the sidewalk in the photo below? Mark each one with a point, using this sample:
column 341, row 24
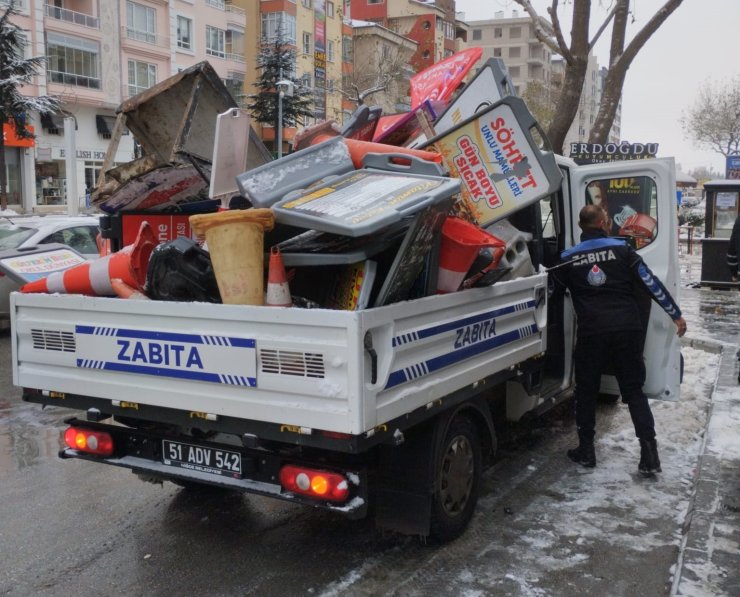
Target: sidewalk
column 710, row 553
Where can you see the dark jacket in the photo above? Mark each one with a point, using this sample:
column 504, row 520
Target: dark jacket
column 605, row 276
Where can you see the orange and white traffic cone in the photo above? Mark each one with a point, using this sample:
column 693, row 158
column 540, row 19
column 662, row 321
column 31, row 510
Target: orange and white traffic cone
column 125, row 291
column 94, row 277
column 278, row 291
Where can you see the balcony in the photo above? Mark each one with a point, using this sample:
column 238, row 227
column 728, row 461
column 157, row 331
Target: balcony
column 226, row 6
column 148, row 38
column 72, row 79
column 71, row 16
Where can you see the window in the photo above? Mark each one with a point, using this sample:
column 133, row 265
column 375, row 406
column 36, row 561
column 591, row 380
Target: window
column 515, row 52
column 141, row 22
column 184, row 33
column 306, row 43
column 375, row 1
column 306, row 3
column 497, row 52
column 216, row 3
column 306, row 80
column 630, row 203
column 725, row 212
column 514, row 72
column 234, row 44
column 515, row 32
column 346, row 49
column 80, row 238
column 330, row 10
column 477, row 34
column 235, row 84
column 72, row 61
column 141, row 76
column 330, row 50
column 278, row 23
column 215, row 42
column 498, row 32
column 330, row 85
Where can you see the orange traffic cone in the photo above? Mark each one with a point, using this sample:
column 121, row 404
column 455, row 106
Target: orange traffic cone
column 125, row 291
column 94, row 277
column 278, row 291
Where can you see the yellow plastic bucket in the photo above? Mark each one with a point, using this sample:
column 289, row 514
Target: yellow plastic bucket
column 236, row 243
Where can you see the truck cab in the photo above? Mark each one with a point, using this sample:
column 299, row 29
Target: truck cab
column 639, row 196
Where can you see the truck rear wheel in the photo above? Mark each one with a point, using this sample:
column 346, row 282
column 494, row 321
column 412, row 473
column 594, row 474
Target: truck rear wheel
column 457, row 480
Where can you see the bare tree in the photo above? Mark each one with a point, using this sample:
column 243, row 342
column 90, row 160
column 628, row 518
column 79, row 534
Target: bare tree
column 378, row 68
column 575, row 55
column 541, row 99
column 713, row 120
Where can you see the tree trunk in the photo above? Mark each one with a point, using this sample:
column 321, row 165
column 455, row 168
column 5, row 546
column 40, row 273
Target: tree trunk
column 576, row 65
column 567, row 106
column 3, row 171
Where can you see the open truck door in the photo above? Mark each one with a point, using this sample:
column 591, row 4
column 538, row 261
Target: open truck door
column 640, row 197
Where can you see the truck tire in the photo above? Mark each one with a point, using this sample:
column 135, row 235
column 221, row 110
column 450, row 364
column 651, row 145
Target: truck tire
column 457, row 480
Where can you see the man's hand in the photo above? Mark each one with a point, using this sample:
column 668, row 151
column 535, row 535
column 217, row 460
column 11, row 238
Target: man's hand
column 681, row 325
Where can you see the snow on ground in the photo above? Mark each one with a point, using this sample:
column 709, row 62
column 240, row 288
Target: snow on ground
column 612, row 504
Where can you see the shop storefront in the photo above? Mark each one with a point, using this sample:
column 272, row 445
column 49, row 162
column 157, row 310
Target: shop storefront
column 15, row 157
column 92, row 137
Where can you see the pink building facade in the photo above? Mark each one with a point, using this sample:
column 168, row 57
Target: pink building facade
column 99, row 53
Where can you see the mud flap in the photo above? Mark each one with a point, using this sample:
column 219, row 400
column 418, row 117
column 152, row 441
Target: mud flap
column 403, row 498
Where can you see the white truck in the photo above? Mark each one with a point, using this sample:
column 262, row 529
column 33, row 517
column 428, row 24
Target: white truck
column 390, row 411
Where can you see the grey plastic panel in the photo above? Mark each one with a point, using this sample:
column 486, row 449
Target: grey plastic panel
column 268, row 184
column 364, row 201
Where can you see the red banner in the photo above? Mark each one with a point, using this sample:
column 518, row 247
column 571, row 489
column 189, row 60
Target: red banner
column 439, row 81
column 12, row 140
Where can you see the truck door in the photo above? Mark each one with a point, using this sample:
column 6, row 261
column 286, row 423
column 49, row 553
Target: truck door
column 640, row 198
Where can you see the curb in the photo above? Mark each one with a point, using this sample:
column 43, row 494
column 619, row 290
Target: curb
column 706, row 497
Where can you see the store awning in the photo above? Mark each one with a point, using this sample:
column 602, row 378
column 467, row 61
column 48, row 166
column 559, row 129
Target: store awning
column 12, row 140
column 52, row 122
column 105, row 125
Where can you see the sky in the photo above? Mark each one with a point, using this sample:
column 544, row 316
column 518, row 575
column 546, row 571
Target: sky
column 698, row 43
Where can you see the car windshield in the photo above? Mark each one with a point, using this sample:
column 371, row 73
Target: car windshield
column 11, row 236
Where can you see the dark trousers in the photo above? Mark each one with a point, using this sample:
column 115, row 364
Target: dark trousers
column 592, row 355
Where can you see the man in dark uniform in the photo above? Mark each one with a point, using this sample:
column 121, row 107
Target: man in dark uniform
column 604, row 276
column 733, row 251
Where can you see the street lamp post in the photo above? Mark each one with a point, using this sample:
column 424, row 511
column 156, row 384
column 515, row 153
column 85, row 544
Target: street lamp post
column 284, row 87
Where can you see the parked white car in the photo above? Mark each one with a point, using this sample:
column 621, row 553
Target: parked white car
column 19, row 232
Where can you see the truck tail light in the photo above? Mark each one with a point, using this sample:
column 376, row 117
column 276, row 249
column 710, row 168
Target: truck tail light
column 89, row 441
column 314, row 483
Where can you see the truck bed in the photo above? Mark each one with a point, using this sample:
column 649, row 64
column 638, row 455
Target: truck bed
column 339, row 371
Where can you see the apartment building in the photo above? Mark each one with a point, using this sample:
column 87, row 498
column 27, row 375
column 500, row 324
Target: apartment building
column 513, row 40
column 432, row 24
column 321, row 34
column 99, row 53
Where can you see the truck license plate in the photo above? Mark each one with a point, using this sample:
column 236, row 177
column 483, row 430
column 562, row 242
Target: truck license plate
column 201, row 458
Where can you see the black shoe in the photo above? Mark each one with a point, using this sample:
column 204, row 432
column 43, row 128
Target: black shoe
column 649, row 460
column 584, row 454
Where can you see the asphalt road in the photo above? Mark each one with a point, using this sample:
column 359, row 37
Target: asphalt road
column 73, row 527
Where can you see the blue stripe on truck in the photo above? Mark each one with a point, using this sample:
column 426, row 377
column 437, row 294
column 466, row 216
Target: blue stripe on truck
column 435, row 330
column 435, row 364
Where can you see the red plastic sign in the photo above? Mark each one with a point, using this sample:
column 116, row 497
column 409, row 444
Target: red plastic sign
column 439, row 81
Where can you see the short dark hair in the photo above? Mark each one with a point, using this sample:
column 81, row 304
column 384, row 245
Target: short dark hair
column 591, row 217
